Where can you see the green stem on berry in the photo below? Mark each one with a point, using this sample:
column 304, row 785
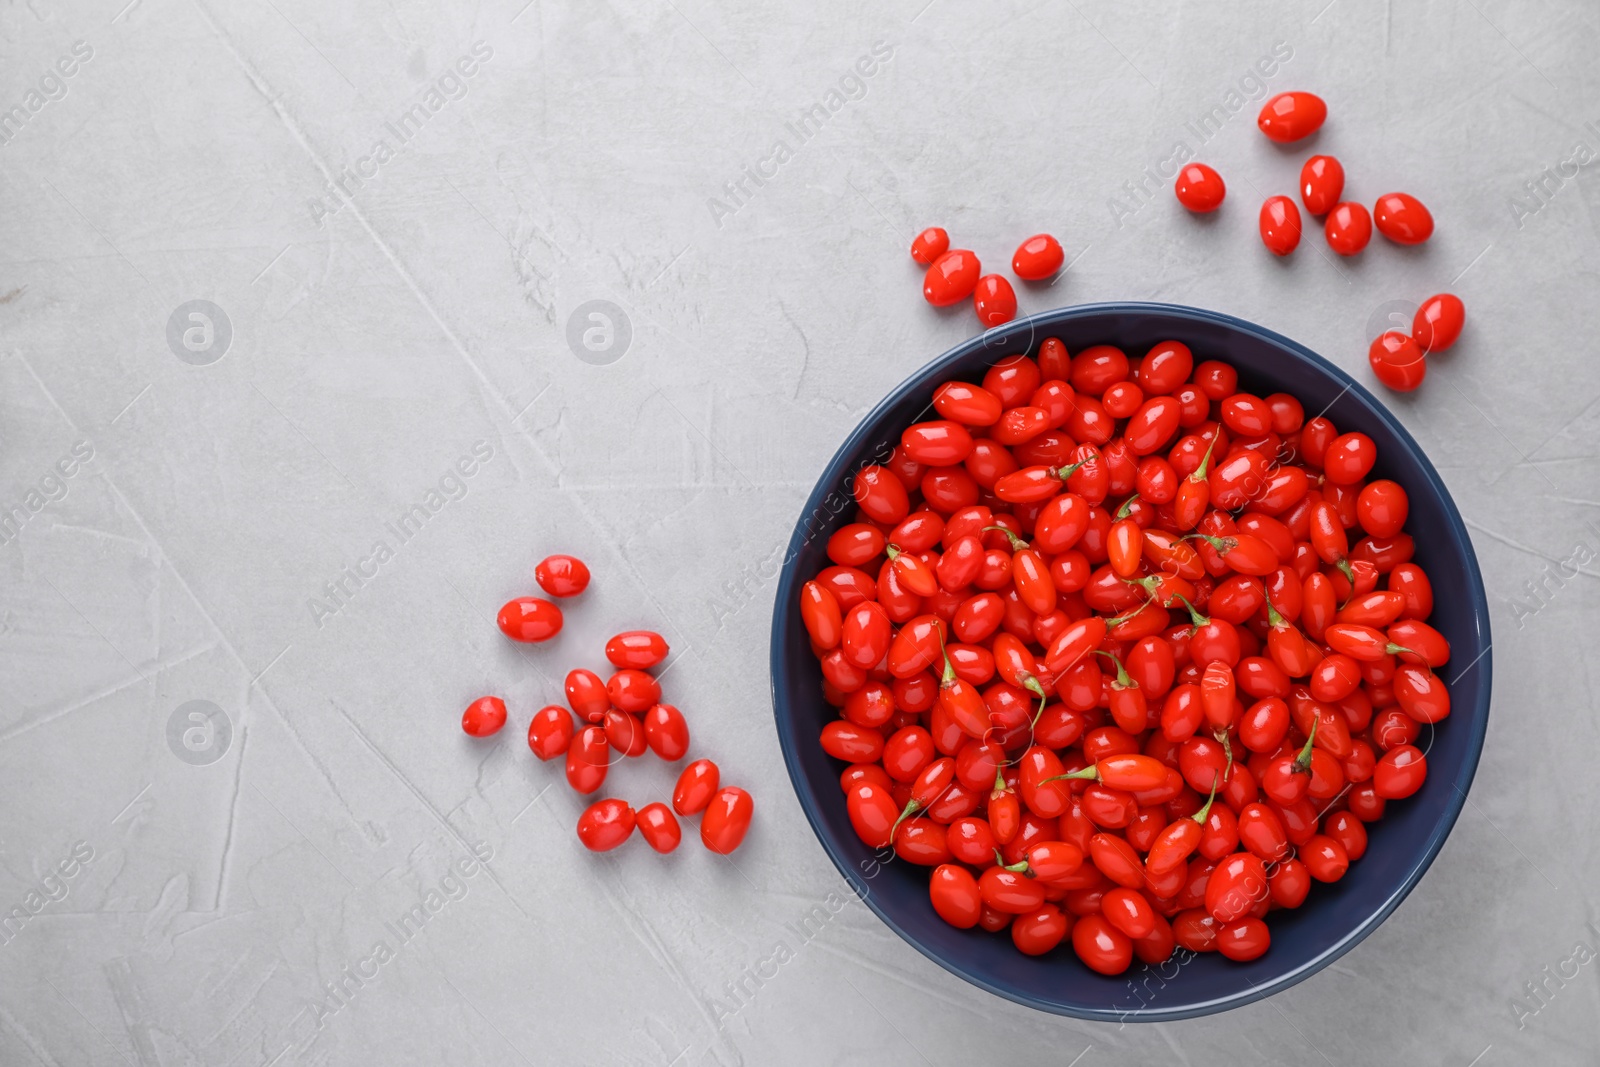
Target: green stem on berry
column 1274, row 620
column 1020, row 867
column 1199, row 473
column 1124, row 679
column 1195, row 617
column 912, row 807
column 1201, row 815
column 1017, row 543
column 1302, row 762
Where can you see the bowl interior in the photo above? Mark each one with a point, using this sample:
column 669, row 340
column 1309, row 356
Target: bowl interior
column 1335, row 917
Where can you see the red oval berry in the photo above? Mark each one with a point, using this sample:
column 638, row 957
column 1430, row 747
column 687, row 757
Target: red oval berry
column 696, row 786
column 550, row 732
column 529, row 619
column 632, row 690
column 1321, row 184
column 1397, row 361
column 562, row 575
column 588, row 759
column 1290, row 116
column 639, row 649
column 1438, row 322
column 1402, row 218
column 1199, row 188
column 929, row 245
column 951, row 278
column 1348, row 228
column 666, row 732
column 994, row 300
column 605, row 824
column 1037, row 258
column 726, row 819
column 1280, row 225
column 484, row 716
column 586, row 694
column 658, row 827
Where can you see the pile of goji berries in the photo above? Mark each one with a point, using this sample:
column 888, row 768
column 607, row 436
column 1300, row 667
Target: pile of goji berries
column 956, row 273
column 1124, row 654
column 622, row 714
column 1398, row 361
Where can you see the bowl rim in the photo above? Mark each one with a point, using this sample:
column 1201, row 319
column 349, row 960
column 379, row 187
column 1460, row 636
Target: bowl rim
column 1031, row 326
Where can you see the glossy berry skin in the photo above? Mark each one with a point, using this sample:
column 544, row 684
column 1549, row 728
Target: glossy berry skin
column 881, row 494
column 1325, row 858
column 1438, row 322
column 666, row 732
column 550, row 732
column 588, row 759
column 1382, row 508
column 633, row 691
column 659, row 827
column 696, row 786
column 994, row 300
column 1199, row 188
column 562, row 575
column 1010, row 891
column 1037, row 932
column 1238, row 883
column 1402, row 218
column 529, row 619
column 624, row 733
column 968, row 404
column 872, row 812
column 1349, row 457
column 819, row 611
column 1280, row 225
column 929, row 245
column 1321, row 184
column 1037, row 258
column 1289, row 117
column 1244, row 940
column 1400, row 772
column 1348, row 228
column 586, row 695
column 1396, row 361
column 484, row 716
column 605, row 824
column 1101, row 946
column 726, row 819
column 954, row 894
column 951, row 278
column 639, row 649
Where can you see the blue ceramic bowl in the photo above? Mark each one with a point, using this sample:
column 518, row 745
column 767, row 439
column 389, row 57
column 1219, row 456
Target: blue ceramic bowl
column 1337, row 916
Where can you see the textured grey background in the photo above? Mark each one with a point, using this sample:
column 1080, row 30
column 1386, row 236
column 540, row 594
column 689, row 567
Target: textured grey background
column 379, row 333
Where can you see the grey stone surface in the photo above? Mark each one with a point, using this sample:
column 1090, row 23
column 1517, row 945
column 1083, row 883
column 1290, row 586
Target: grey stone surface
column 381, row 334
